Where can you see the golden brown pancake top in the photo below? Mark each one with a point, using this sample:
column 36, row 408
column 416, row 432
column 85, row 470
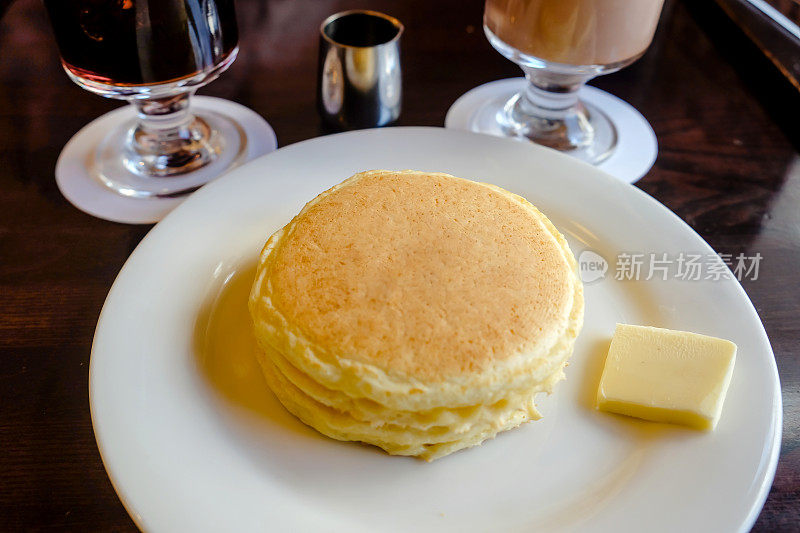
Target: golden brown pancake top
column 424, row 275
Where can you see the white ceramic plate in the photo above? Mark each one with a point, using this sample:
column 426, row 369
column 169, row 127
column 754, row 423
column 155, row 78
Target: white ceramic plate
column 185, row 454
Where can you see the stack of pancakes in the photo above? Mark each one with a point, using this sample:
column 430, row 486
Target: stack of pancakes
column 415, row 311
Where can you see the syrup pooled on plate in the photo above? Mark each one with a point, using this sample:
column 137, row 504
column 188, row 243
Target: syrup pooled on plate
column 226, row 347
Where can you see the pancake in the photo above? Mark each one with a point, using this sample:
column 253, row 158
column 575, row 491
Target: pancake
column 401, row 302
column 395, row 440
column 377, row 415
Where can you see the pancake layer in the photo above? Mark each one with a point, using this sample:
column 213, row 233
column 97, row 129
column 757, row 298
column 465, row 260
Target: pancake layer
column 416, row 311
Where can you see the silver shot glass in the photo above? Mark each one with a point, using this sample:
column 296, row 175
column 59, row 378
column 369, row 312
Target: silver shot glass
column 360, row 81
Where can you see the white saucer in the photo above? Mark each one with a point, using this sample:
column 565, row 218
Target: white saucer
column 78, row 183
column 637, row 147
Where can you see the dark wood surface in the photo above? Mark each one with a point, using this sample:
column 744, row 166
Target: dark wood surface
column 728, row 164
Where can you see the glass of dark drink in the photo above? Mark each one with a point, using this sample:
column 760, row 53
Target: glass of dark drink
column 154, row 54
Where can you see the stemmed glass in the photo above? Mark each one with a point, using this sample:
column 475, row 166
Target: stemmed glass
column 154, row 55
column 560, row 45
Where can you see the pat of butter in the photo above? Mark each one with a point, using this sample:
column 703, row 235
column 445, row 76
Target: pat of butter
column 666, row 376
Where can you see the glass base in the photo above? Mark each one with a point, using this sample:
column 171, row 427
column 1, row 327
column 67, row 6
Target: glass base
column 125, row 171
column 587, row 134
column 636, row 148
column 76, row 171
column 167, row 150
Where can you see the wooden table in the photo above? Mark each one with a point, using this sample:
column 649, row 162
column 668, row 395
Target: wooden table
column 728, row 165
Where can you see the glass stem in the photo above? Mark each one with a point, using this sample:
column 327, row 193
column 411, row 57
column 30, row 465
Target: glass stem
column 549, row 99
column 168, row 140
column 548, row 111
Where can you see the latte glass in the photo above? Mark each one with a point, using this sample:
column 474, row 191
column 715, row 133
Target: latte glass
column 560, row 45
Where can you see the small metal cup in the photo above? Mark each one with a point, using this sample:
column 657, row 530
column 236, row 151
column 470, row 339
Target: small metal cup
column 360, row 82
